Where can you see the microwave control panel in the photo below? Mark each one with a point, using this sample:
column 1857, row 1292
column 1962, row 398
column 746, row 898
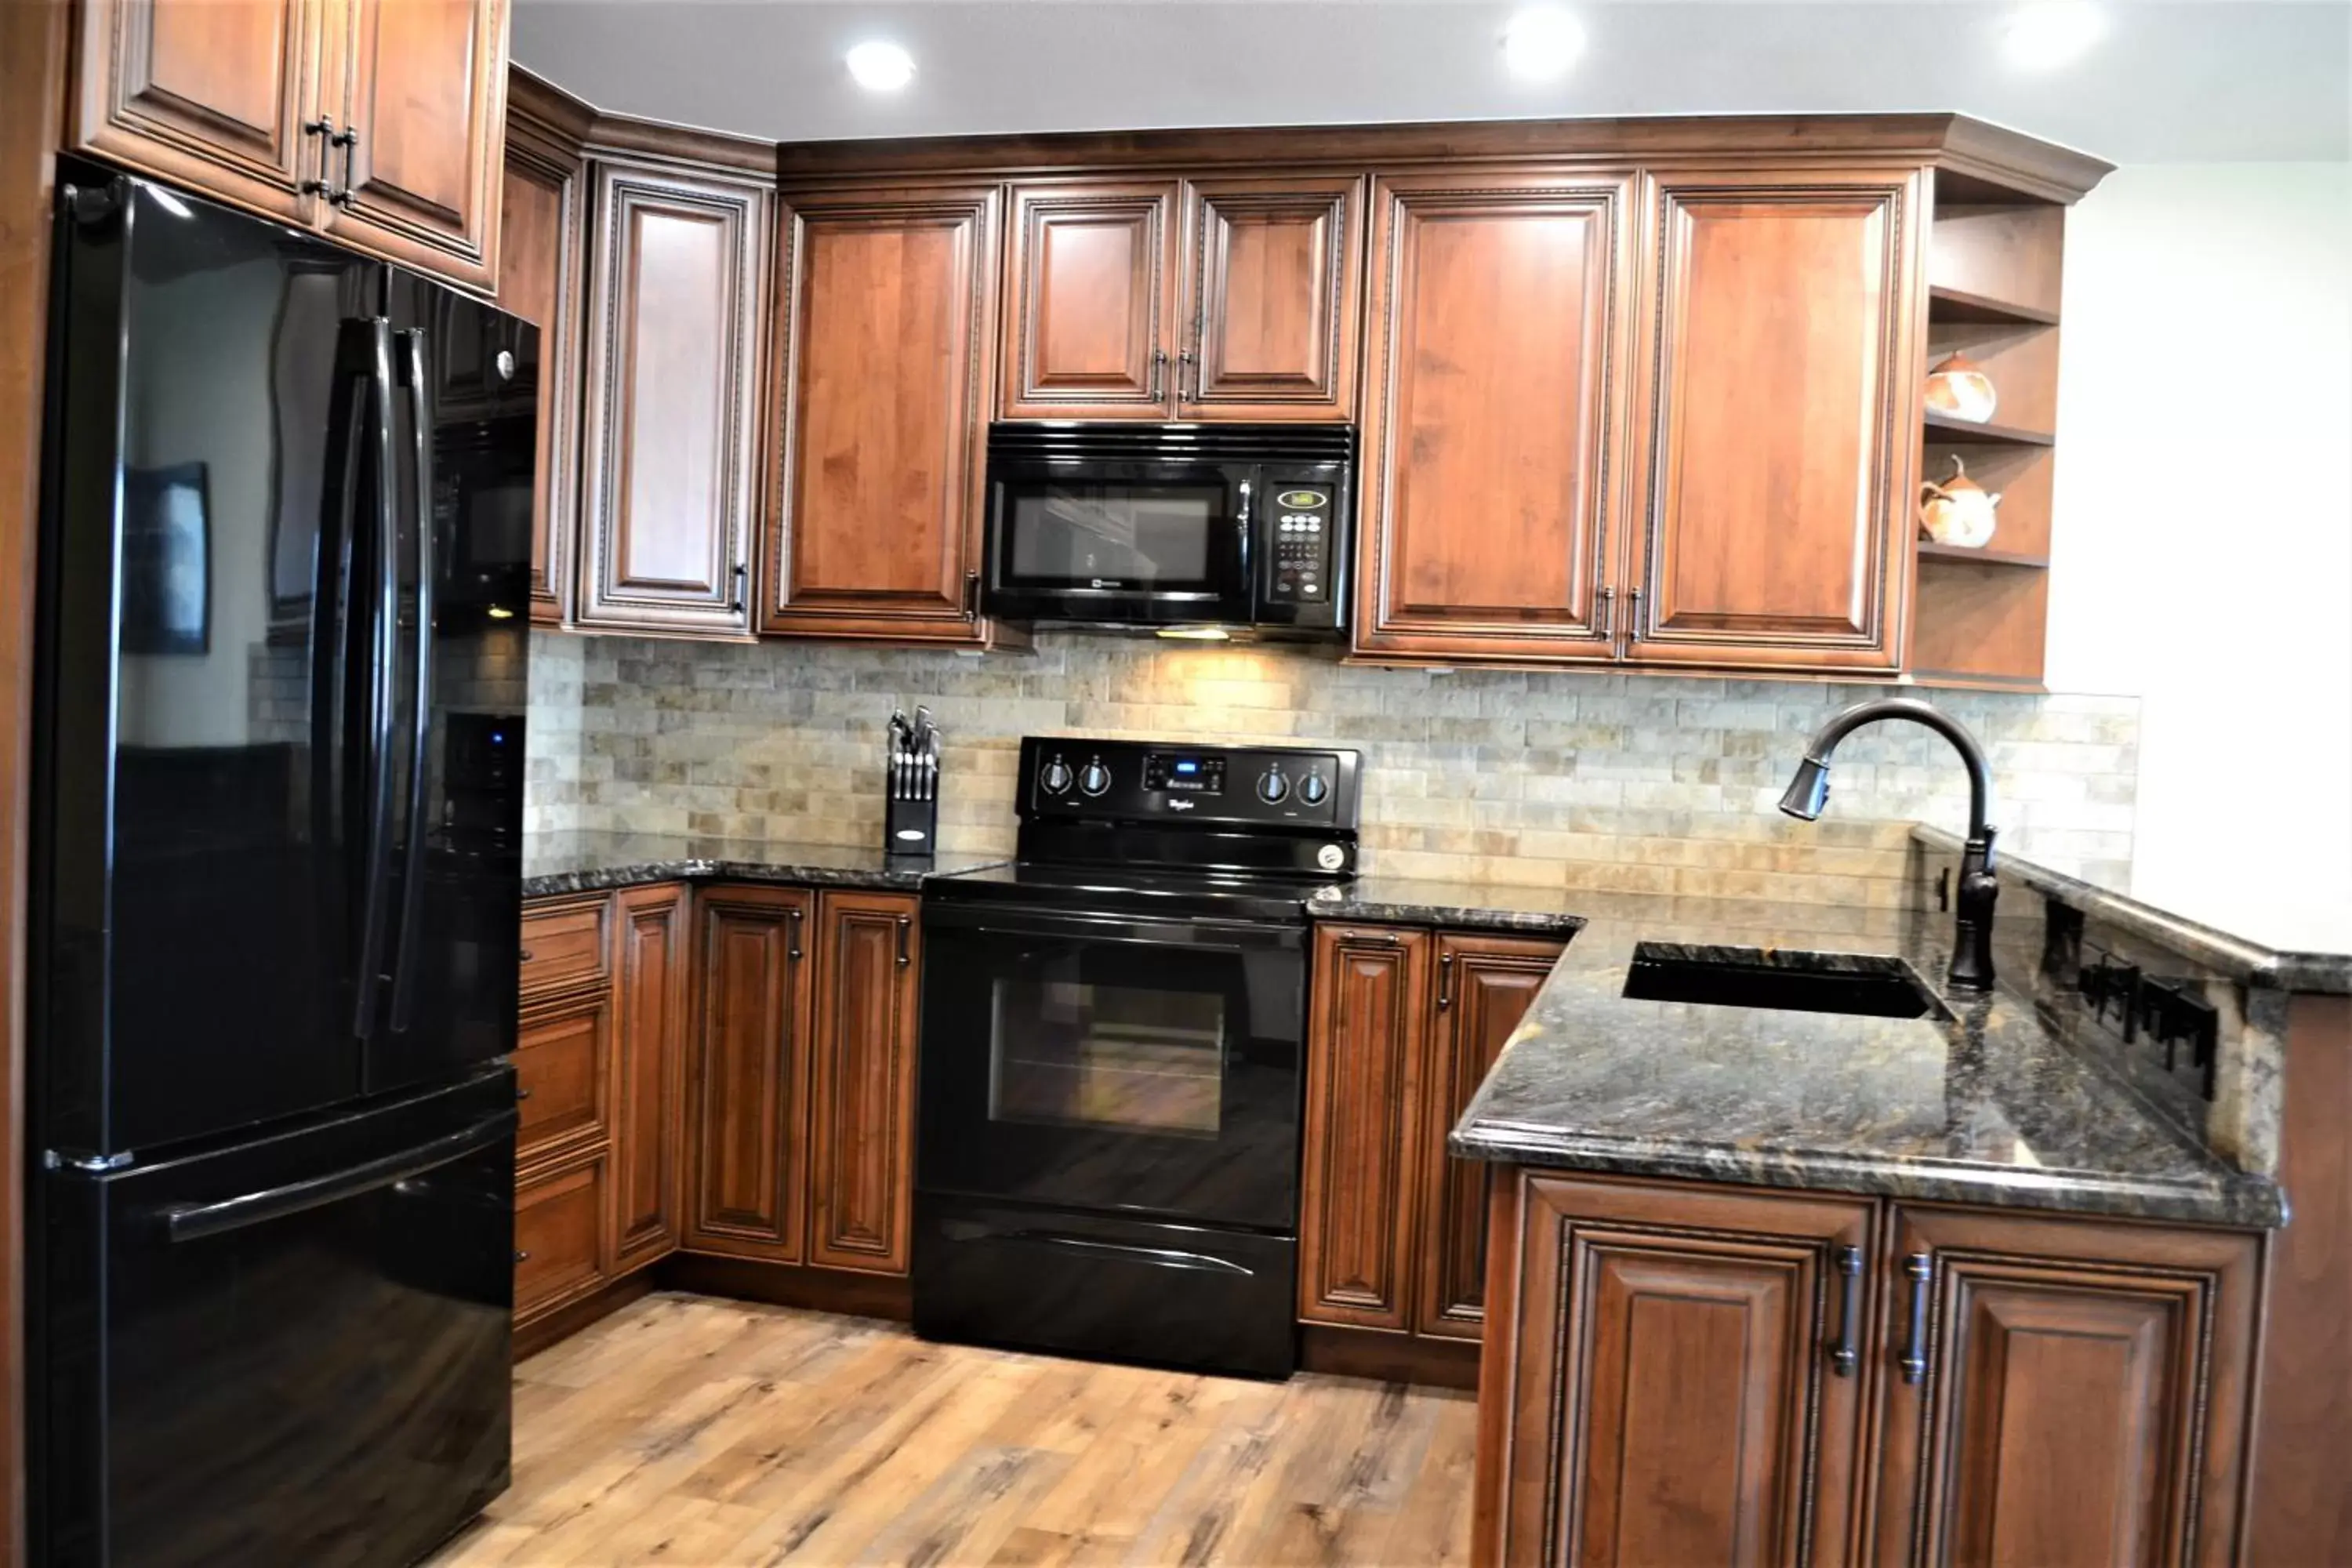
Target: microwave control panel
column 1300, row 529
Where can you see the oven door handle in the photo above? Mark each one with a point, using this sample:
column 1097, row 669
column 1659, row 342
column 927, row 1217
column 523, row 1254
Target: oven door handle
column 1126, row 1252
column 1143, row 930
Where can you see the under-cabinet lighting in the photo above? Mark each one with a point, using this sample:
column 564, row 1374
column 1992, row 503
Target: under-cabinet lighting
column 1540, row 42
column 879, row 65
column 2048, row 34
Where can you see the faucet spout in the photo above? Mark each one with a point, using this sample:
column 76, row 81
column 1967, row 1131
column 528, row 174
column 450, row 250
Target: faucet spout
column 1809, row 791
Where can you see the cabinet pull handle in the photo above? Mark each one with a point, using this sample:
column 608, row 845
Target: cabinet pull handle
column 1921, row 1269
column 1385, row 938
column 741, row 574
column 1607, row 615
column 1445, row 981
column 1159, row 374
column 1187, row 365
column 792, row 936
column 324, row 129
column 348, row 139
column 972, row 595
column 1632, row 617
column 905, row 926
column 1847, row 1354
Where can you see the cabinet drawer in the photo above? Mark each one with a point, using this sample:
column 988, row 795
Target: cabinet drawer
column 558, row 1236
column 562, row 1068
column 563, row 946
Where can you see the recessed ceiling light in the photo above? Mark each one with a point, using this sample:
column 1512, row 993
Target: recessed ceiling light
column 2052, row 32
column 880, row 67
column 1540, row 42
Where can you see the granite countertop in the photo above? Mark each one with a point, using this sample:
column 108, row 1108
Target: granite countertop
column 1992, row 1104
column 2330, row 973
column 1471, row 905
column 583, row 862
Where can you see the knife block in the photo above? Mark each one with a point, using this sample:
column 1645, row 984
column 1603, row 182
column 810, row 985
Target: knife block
column 911, row 828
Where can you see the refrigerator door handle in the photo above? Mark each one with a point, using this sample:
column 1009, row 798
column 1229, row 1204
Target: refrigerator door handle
column 335, row 600
column 194, row 1222
column 385, row 638
column 412, row 885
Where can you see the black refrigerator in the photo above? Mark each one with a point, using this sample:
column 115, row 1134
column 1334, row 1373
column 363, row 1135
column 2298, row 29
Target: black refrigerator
column 276, row 889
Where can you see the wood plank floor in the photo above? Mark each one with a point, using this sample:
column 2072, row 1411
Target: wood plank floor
column 688, row 1430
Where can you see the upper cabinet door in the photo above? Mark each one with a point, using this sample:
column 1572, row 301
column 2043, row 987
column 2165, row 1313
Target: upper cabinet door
column 1499, row 321
column 1273, row 298
column 884, row 322
column 422, row 86
column 211, row 96
column 1087, row 324
column 539, row 280
column 2125, row 1349
column 1778, row 428
column 677, row 276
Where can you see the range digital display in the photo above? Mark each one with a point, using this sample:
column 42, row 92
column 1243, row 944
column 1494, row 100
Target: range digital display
column 1183, row 771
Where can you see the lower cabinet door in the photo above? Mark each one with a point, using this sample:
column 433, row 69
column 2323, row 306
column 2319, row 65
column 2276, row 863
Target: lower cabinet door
column 649, row 1007
column 747, row 1106
column 2064, row 1391
column 563, row 1079
column 1485, row 985
column 862, row 1083
column 1668, row 1374
column 561, row 1252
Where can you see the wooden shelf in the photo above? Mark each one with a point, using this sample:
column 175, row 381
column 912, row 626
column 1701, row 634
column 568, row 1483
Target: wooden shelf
column 1959, row 305
column 1943, row 429
column 1931, row 551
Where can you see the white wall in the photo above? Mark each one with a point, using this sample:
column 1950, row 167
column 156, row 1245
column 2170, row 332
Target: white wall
column 2203, row 550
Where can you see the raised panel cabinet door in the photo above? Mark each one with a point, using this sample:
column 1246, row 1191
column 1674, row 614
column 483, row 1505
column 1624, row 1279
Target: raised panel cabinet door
column 1485, row 985
column 747, row 1100
column 1499, row 314
column 215, row 97
column 1273, row 290
column 1779, row 423
column 1671, row 1384
column 885, row 329
column 563, row 1246
column 540, row 234
column 650, row 974
column 862, row 1083
column 678, row 282
column 564, row 1078
column 1367, row 1030
column 2078, row 1392
column 1088, row 318
column 419, row 92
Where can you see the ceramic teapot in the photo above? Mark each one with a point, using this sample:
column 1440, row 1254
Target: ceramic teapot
column 1960, row 388
column 1957, row 511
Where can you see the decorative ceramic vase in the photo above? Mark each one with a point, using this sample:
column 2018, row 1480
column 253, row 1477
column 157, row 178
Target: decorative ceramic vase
column 1960, row 388
column 1957, row 511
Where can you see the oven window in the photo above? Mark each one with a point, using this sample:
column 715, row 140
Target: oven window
column 1112, row 536
column 1066, row 1053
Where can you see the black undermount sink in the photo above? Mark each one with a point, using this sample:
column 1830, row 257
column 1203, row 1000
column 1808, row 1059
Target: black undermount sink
column 1866, row 985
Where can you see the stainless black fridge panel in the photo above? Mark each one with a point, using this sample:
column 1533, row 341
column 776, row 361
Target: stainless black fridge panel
column 294, row 1351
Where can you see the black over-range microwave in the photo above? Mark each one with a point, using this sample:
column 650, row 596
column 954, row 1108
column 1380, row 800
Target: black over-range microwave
column 1239, row 528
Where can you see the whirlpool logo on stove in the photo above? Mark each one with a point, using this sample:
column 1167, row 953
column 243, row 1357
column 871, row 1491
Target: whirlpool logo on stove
column 1179, row 803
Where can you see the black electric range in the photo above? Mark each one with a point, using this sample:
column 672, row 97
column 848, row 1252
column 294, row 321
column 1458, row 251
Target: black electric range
column 1113, row 1036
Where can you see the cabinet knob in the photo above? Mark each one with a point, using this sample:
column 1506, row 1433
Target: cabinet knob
column 522, row 1094
column 522, row 1256
column 527, row 955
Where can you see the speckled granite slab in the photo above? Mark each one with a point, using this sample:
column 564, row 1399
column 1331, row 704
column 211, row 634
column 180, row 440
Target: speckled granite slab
column 589, row 862
column 1478, row 906
column 1991, row 1104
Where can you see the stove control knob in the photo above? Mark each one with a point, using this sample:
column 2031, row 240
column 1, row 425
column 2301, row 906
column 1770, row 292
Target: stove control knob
column 1055, row 776
column 1272, row 786
column 1312, row 789
column 1094, row 778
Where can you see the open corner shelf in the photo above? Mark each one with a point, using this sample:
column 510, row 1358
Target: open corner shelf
column 1982, row 309
column 1931, row 551
column 1943, row 429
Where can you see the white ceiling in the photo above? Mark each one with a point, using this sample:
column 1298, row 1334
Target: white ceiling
column 2171, row 79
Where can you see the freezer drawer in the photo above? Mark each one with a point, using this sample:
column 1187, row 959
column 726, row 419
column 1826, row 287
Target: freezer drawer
column 294, row 1349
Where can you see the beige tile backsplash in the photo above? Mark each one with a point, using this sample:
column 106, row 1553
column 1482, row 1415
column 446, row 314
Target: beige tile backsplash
column 1651, row 782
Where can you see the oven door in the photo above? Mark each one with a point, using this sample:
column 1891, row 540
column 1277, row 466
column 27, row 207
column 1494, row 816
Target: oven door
column 1111, row 1063
column 1118, row 542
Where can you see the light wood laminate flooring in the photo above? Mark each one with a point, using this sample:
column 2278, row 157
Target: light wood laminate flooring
column 693, row 1431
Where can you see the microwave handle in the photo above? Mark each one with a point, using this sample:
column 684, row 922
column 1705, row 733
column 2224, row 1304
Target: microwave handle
column 1242, row 526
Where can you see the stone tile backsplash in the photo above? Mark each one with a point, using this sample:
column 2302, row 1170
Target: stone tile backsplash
column 1642, row 782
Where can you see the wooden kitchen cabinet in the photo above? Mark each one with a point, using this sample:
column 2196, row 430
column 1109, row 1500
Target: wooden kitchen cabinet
column 652, row 967
column 541, row 247
column 2085, row 1394
column 1403, row 1024
column 885, row 321
column 1778, row 418
column 379, row 122
column 749, row 1098
column 1162, row 298
column 563, row 1078
column 422, row 89
column 674, row 360
column 1500, row 320
column 862, row 1083
column 562, row 1236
